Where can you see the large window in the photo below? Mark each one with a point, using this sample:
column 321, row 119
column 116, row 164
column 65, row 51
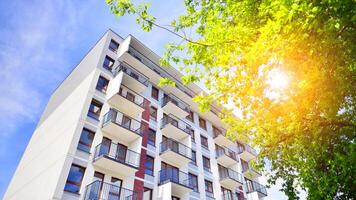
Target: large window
column 86, row 139
column 149, row 164
column 206, row 163
column 190, row 117
column 194, row 157
column 108, row 63
column 102, row 84
column 209, row 188
column 154, row 93
column 74, row 180
column 204, row 142
column 113, row 46
column 151, row 137
column 193, row 181
column 202, row 123
column 95, row 109
column 153, row 113
column 192, row 136
column 147, row 193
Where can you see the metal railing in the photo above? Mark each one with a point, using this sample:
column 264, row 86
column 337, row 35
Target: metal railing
column 230, row 196
column 175, row 176
column 175, row 121
column 176, row 147
column 220, row 151
column 154, row 67
column 136, row 98
column 99, row 190
column 225, row 173
column 129, row 70
column 113, row 152
column 246, row 147
column 247, row 167
column 176, row 101
column 252, row 186
column 122, row 120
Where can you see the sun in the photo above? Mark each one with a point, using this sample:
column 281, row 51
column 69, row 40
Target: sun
column 277, row 79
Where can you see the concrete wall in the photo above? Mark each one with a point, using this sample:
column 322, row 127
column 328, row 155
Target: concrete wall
column 45, row 164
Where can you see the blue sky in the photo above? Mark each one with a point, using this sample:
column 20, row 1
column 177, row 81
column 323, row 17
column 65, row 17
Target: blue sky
column 41, row 42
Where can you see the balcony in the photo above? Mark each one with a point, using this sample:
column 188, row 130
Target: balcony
column 178, row 180
column 121, row 127
column 249, row 171
column 220, row 137
column 231, row 196
column 173, row 105
column 225, row 156
column 172, row 127
column 99, row 190
column 131, row 77
column 246, row 152
column 114, row 158
column 252, row 186
column 127, row 101
column 175, row 153
column 230, row 178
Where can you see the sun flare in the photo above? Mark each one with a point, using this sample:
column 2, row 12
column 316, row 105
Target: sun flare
column 277, row 79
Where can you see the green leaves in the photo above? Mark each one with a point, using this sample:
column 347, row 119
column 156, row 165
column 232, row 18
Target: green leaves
column 309, row 137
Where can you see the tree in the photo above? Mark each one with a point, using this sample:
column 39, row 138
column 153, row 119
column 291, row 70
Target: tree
column 288, row 68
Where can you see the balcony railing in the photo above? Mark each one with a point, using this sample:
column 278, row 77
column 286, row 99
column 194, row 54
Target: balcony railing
column 230, row 196
column 154, row 67
column 226, row 151
column 99, row 190
column 176, row 147
column 127, row 69
column 252, row 186
column 246, row 147
column 176, row 101
column 175, row 176
column 122, row 120
column 134, row 97
column 175, row 121
column 113, row 152
column 219, row 131
column 225, row 173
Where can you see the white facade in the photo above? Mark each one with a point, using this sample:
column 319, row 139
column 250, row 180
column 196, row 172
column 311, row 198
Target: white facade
column 54, row 167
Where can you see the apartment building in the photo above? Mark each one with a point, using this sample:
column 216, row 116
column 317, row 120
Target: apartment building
column 110, row 133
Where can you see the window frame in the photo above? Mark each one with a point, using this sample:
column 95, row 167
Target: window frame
column 202, row 123
column 190, row 117
column 194, row 161
column 151, row 171
column 209, row 184
column 109, row 68
column 206, row 163
column 80, row 142
column 149, row 139
column 204, row 144
column 103, row 89
column 78, row 184
column 154, row 118
column 196, row 187
column 154, row 89
column 93, row 114
column 112, row 41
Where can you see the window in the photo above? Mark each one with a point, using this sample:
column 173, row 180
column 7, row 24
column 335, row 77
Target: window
column 95, row 109
column 216, row 131
column 113, row 46
column 202, row 123
column 209, row 188
column 151, row 137
column 190, row 117
column 206, row 163
column 147, row 193
column 108, row 63
column 102, row 84
column 86, row 139
column 154, row 93
column 192, row 135
column 153, row 113
column 204, row 142
column 149, row 164
column 193, row 181
column 194, row 157
column 226, row 193
column 74, row 179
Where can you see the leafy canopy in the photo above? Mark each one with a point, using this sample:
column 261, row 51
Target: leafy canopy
column 288, row 68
